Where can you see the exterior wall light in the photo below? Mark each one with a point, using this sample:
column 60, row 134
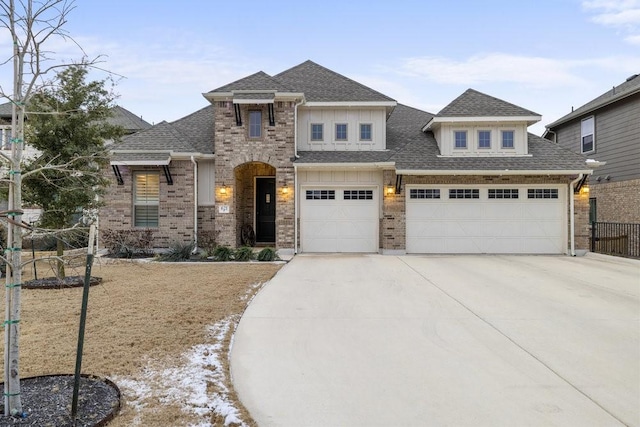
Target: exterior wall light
column 390, row 190
column 223, row 189
column 285, row 189
column 584, row 189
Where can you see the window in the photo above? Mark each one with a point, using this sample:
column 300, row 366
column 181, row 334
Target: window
column 542, row 193
column 508, row 139
column 424, row 193
column 341, row 132
column 146, row 198
column 365, row 132
column 358, row 194
column 593, row 209
column 484, row 139
column 587, row 137
column 317, row 131
column 321, row 195
column 255, row 124
column 503, row 193
column 460, row 137
column 464, row 193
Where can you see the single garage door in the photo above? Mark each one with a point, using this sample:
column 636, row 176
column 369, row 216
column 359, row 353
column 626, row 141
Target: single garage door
column 486, row 219
column 339, row 220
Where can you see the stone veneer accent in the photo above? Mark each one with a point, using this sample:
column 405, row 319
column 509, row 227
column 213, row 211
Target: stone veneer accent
column 617, row 201
column 393, row 223
column 240, row 158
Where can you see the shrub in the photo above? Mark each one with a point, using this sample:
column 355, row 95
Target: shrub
column 207, row 240
column 128, row 243
column 178, row 251
column 244, row 253
column 222, row 253
column 268, row 254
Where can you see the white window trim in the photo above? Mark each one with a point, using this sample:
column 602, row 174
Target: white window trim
column 360, row 132
column 335, row 133
column 466, row 139
column 513, row 132
column 490, row 138
column 592, row 133
column 311, row 125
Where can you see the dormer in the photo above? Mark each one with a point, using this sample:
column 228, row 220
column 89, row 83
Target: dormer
column 478, row 125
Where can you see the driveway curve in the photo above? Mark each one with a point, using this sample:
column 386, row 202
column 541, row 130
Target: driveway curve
column 373, row 340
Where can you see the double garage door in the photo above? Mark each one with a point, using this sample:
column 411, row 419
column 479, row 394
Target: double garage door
column 339, row 219
column 486, row 219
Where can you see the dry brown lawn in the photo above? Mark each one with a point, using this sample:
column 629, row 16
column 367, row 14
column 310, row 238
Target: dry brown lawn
column 143, row 316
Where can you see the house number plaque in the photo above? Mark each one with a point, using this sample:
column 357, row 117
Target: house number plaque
column 223, row 209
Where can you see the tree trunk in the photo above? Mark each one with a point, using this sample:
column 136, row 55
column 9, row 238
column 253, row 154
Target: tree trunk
column 60, row 274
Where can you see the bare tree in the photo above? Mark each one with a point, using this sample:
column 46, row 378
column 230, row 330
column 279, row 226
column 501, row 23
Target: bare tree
column 33, row 25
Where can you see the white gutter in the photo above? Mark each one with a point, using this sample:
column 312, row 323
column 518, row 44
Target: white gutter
column 195, row 204
column 491, row 172
column 571, row 213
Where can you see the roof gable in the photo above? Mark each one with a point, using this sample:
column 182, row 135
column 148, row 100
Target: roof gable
column 477, row 104
column 319, row 84
column 259, row 81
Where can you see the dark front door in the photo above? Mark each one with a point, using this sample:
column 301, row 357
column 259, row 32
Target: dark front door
column 266, row 210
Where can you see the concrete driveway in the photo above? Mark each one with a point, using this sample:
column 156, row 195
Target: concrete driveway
column 372, row 340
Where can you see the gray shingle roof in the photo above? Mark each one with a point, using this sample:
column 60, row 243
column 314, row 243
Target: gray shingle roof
column 628, row 88
column 126, row 119
column 258, row 81
column 319, row 84
column 161, row 137
column 198, row 128
column 6, row 110
column 477, row 104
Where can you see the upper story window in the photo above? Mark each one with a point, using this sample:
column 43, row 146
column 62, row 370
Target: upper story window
column 317, row 131
column 460, row 137
column 146, row 199
column 508, row 137
column 255, row 124
column 341, row 132
column 484, row 139
column 588, row 142
column 365, row 131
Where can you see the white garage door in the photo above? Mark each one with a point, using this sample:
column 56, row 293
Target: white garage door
column 486, row 219
column 339, row 220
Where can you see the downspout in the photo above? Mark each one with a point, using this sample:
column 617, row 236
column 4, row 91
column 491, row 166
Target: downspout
column 195, row 205
column 295, row 177
column 572, row 224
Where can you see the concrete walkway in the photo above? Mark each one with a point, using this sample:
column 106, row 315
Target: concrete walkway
column 373, row 340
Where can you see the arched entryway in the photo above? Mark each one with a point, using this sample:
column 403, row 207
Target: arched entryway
column 255, row 199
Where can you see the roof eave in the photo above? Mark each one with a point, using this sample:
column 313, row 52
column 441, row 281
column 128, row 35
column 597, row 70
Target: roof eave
column 359, row 165
column 492, row 172
column 484, row 119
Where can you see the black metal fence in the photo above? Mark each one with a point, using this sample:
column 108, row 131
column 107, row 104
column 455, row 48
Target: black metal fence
column 615, row 238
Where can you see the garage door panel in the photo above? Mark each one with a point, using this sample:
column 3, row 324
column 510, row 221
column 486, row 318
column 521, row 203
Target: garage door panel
column 346, row 223
column 483, row 225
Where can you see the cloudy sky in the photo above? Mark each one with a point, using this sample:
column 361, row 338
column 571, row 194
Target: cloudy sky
column 544, row 55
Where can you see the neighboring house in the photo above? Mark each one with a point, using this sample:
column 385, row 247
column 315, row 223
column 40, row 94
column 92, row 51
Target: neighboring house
column 316, row 162
column 607, row 129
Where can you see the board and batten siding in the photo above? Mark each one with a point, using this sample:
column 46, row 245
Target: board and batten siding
column 617, row 140
column 352, row 117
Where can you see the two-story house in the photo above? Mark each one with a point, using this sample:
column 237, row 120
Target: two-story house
column 316, row 162
column 607, row 129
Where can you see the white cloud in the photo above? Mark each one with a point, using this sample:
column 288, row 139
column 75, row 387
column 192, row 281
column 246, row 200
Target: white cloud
column 493, row 67
column 620, row 14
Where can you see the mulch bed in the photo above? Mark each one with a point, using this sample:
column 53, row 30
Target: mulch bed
column 55, row 283
column 46, row 401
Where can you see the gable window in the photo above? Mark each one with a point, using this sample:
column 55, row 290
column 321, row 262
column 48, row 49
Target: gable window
column 146, row 198
column 255, row 124
column 341, row 132
column 484, row 139
column 587, row 135
column 508, row 139
column 460, row 137
column 365, row 132
column 317, row 132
